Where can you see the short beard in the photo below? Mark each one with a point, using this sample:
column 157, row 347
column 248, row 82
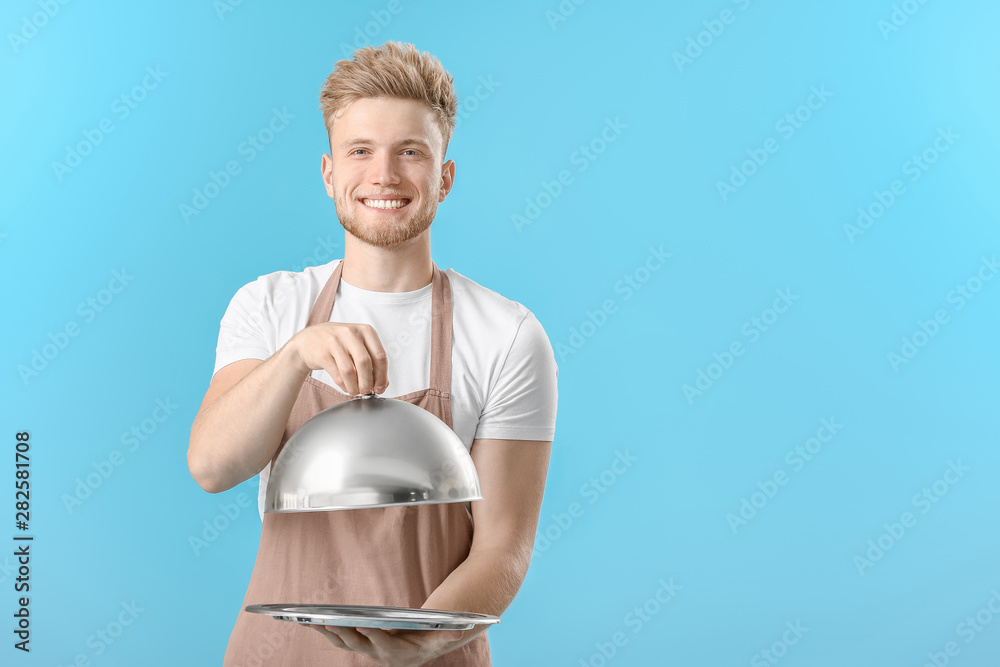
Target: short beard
column 415, row 224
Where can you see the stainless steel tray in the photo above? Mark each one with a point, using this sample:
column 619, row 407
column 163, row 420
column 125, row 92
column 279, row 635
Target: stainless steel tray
column 362, row 616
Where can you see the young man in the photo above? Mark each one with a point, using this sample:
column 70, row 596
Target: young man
column 383, row 318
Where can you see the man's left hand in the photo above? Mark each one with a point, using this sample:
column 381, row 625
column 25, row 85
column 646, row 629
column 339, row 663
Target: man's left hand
column 391, row 648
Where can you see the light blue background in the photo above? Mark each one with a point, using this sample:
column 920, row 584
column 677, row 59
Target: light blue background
column 556, row 85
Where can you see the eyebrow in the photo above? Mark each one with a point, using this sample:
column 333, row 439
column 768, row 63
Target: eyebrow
column 365, row 140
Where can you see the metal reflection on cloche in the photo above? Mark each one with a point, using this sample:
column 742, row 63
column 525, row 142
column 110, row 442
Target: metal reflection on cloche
column 371, row 452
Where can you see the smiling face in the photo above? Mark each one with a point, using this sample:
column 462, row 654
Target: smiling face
column 385, row 172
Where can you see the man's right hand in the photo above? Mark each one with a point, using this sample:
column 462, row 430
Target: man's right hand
column 243, row 415
column 351, row 353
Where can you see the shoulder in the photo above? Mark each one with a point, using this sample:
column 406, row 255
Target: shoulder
column 495, row 322
column 507, row 352
column 480, row 302
column 281, row 288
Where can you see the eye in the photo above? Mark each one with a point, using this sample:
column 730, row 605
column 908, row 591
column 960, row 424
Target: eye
column 355, row 151
column 411, row 150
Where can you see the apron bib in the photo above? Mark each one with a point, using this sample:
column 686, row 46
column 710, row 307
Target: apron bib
column 385, row 556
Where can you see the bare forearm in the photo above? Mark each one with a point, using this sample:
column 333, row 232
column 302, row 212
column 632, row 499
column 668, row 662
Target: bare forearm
column 236, row 436
column 485, row 583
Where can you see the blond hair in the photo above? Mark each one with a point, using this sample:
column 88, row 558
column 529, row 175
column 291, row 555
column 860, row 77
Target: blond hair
column 394, row 70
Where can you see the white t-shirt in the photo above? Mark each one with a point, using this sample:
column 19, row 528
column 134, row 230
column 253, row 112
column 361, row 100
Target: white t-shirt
column 503, row 370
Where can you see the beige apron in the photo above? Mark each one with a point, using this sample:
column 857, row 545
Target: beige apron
column 386, row 556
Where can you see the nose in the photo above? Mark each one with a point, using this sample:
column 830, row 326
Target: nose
column 383, row 170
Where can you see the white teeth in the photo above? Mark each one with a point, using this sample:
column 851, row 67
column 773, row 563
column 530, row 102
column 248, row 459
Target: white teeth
column 384, row 203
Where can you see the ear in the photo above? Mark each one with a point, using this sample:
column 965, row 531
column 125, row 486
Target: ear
column 447, row 179
column 326, row 170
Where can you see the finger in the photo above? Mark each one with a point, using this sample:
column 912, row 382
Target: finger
column 433, row 639
column 442, row 637
column 338, row 637
column 423, row 635
column 379, row 359
column 376, row 635
column 352, row 638
column 382, row 641
column 355, row 342
column 342, row 369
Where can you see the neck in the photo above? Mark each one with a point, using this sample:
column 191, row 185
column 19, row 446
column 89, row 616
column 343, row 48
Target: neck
column 401, row 268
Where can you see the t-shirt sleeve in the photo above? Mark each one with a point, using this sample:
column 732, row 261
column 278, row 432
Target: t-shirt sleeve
column 246, row 330
column 522, row 403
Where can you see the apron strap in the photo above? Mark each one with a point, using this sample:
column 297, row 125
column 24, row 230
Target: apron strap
column 323, row 307
column 441, row 322
column 441, row 316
